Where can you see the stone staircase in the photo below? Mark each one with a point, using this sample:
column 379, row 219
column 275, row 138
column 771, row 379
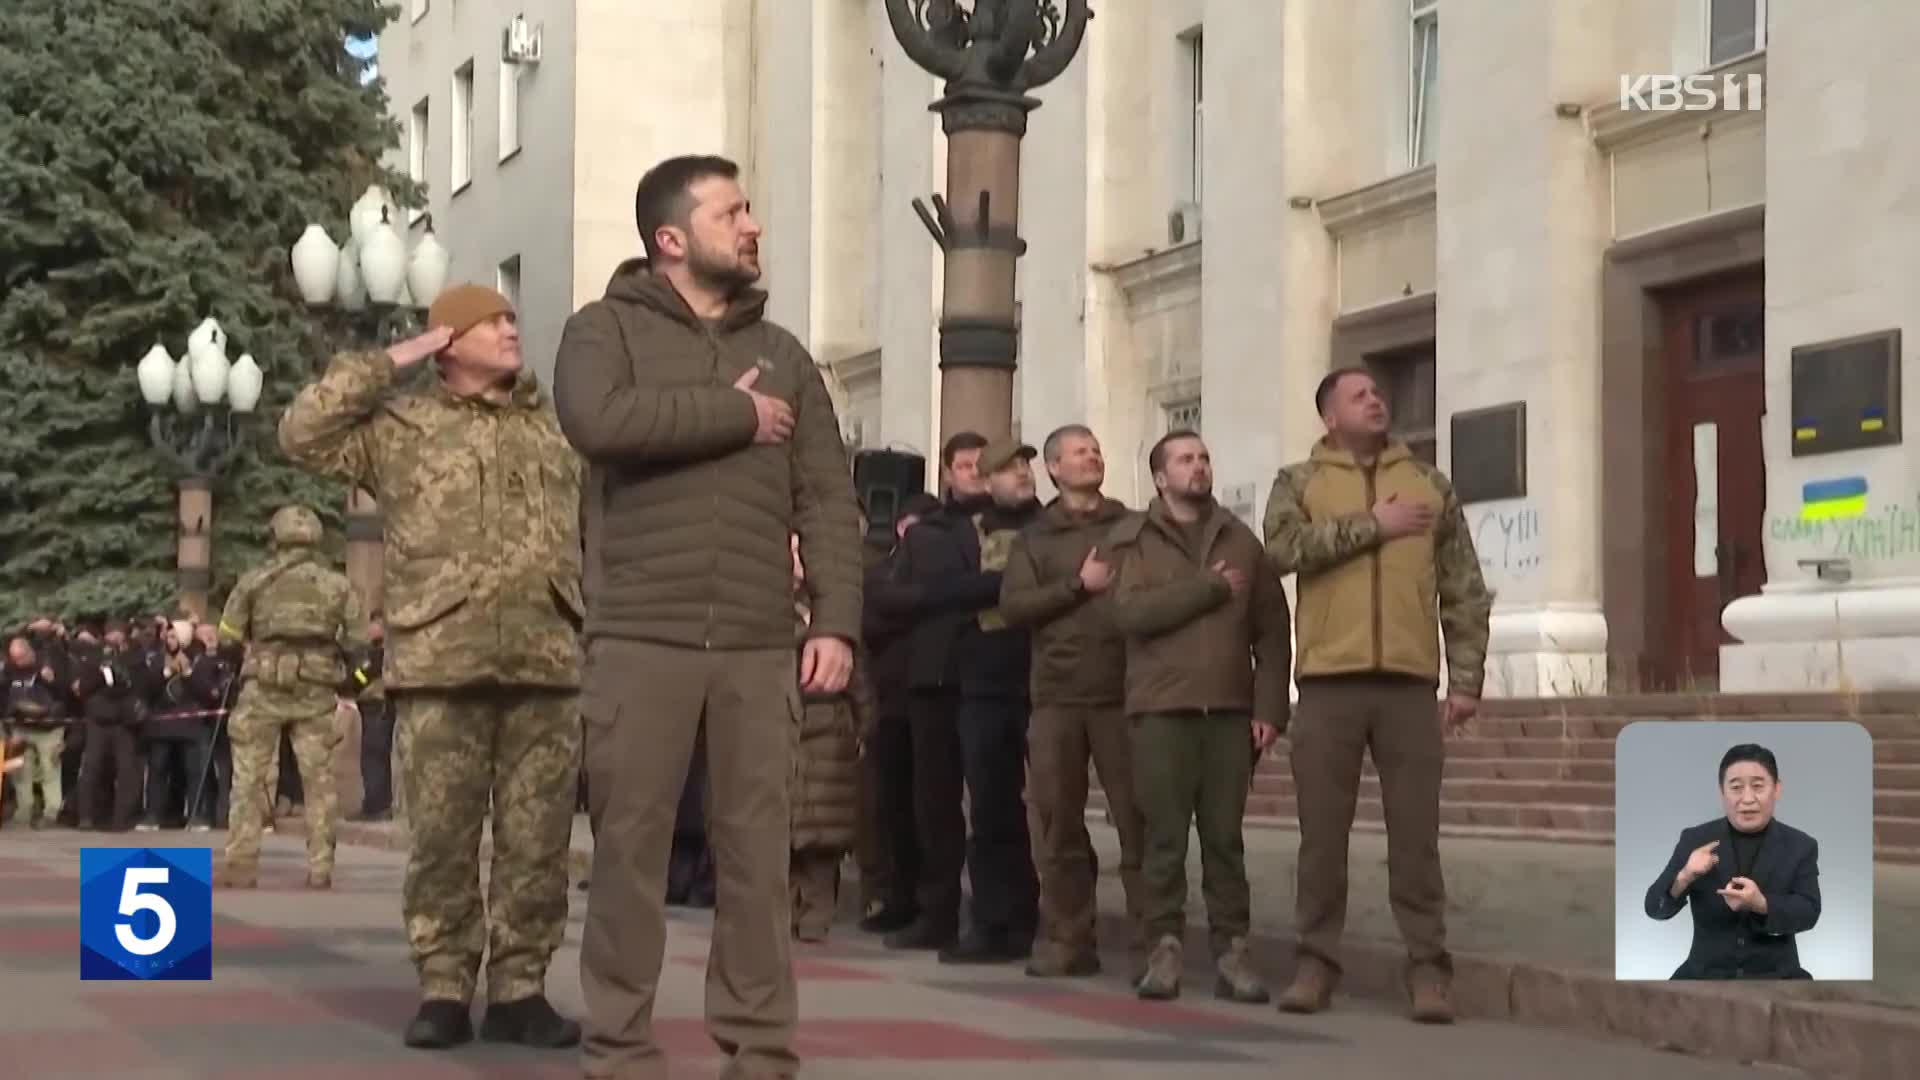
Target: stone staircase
column 1542, row 768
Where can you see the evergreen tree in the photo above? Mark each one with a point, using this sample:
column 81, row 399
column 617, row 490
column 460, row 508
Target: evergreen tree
column 157, row 160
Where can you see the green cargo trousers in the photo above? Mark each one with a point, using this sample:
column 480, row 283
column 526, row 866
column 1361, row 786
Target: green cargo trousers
column 1191, row 771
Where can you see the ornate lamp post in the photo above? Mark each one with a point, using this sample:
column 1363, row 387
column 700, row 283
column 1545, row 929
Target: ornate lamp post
column 384, row 291
column 990, row 56
column 194, row 402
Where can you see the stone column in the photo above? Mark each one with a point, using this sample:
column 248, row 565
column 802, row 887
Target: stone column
column 1522, row 233
column 365, row 561
column 1840, row 262
column 195, row 558
column 365, row 569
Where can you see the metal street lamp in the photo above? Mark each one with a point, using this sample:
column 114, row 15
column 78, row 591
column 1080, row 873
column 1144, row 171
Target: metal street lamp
column 372, row 273
column 384, row 291
column 990, row 55
column 194, row 402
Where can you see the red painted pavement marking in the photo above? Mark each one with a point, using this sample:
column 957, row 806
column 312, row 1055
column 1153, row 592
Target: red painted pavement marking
column 909, row 1040
column 1128, row 1012
column 39, row 889
column 569, row 1069
column 41, row 939
column 44, row 939
column 805, row 969
column 375, row 1006
column 66, row 1050
column 178, row 1005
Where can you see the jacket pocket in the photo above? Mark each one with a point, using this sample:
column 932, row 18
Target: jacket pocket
column 571, row 604
column 429, row 607
column 321, row 670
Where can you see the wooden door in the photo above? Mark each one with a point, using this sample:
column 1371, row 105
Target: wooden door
column 1714, row 363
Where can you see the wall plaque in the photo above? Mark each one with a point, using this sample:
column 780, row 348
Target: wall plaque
column 1490, row 453
column 1846, row 394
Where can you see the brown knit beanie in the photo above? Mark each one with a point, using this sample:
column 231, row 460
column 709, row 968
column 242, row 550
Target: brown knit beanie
column 464, row 307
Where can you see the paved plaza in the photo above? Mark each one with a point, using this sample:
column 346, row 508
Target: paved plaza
column 318, row 985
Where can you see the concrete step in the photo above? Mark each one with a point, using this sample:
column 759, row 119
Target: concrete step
column 1523, row 819
column 1568, row 792
column 1555, row 726
column 1471, row 768
column 1711, row 705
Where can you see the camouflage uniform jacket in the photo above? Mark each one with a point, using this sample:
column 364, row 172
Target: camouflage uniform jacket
column 1368, row 606
column 292, row 611
column 481, row 504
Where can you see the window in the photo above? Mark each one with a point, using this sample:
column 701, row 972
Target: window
column 1182, row 415
column 1406, row 378
column 1194, row 43
column 462, row 131
column 509, row 110
column 506, row 280
column 1422, row 81
column 417, row 152
column 1735, row 28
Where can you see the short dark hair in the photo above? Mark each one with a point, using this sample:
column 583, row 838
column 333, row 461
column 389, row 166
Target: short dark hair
column 919, row 504
column 1753, row 752
column 1050, row 448
column 664, row 196
column 1330, row 382
column 1157, row 457
column 959, row 442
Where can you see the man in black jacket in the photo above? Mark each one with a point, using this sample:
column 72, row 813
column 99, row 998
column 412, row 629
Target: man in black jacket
column 995, row 661
column 939, row 557
column 887, row 759
column 1752, row 882
column 103, row 684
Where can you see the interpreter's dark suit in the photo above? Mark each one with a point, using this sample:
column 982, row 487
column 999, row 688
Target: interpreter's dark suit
column 1729, row 944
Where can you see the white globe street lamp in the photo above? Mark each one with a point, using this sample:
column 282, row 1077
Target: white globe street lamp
column 193, row 401
column 373, row 268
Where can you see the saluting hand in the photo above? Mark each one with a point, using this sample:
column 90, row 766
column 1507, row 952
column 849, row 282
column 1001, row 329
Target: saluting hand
column 826, row 664
column 407, row 353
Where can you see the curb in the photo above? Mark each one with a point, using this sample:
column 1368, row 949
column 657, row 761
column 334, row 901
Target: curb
column 1737, row 1023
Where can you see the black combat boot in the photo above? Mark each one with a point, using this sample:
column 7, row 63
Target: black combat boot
column 530, row 1021
column 925, row 932
column 439, row 1024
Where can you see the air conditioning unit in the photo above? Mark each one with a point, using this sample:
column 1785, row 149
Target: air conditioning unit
column 520, row 42
column 1183, row 223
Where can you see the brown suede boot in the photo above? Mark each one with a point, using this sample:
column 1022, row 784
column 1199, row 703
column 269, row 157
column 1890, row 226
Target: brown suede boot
column 1429, row 989
column 1312, row 988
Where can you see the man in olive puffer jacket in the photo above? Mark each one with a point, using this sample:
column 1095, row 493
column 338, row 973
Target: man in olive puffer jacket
column 711, row 437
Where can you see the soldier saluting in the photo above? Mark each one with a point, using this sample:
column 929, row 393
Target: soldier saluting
column 480, row 494
column 292, row 612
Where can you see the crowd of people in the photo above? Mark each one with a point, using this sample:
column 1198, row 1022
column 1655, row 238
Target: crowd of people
column 120, row 725
column 654, row 581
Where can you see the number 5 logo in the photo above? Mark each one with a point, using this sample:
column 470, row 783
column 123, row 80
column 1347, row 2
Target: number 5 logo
column 133, row 902
column 146, row 913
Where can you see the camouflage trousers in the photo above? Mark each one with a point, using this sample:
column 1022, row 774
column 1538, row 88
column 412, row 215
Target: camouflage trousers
column 253, row 729
column 43, row 749
column 501, row 756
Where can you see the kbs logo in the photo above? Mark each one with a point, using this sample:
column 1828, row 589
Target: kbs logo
column 146, row 913
column 1693, row 93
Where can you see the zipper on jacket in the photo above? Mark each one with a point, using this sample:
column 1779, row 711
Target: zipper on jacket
column 713, row 501
column 1374, row 556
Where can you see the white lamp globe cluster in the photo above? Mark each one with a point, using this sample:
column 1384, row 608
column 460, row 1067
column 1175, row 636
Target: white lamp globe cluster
column 202, row 377
column 373, row 265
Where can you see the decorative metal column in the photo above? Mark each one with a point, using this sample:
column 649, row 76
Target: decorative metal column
column 990, row 55
column 365, row 555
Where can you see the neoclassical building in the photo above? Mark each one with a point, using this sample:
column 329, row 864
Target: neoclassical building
column 1659, row 351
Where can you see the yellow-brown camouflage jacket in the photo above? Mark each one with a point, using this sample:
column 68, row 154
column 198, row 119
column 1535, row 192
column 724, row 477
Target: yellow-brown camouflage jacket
column 292, row 611
column 481, row 505
column 1367, row 606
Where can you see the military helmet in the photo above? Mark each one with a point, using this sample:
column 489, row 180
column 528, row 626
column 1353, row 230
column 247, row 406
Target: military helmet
column 294, row 526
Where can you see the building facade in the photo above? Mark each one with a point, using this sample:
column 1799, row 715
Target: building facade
column 1659, row 350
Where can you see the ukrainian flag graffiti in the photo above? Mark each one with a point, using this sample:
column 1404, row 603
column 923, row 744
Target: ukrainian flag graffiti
column 1824, row 500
